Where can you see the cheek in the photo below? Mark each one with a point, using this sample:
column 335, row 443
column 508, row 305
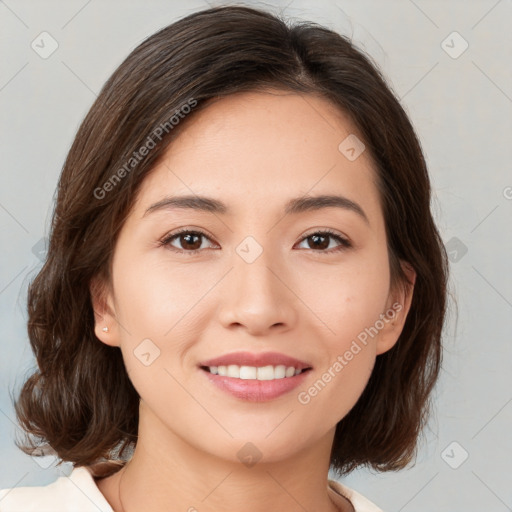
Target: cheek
column 161, row 311
column 347, row 299
column 349, row 307
column 349, row 302
column 154, row 298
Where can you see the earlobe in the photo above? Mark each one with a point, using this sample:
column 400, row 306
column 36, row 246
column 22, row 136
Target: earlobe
column 105, row 325
column 398, row 306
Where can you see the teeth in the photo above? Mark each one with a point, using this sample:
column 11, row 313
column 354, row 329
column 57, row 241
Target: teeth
column 256, row 373
column 233, row 371
column 266, row 373
column 279, row 372
column 246, row 372
column 290, row 371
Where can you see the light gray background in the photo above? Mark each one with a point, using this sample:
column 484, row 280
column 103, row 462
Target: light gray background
column 461, row 108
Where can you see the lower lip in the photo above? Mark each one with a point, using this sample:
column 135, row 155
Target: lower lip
column 254, row 390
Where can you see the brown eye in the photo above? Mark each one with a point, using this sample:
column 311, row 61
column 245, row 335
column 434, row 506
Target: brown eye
column 321, row 240
column 190, row 241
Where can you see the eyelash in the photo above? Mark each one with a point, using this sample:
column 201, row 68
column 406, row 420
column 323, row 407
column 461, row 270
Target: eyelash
column 344, row 243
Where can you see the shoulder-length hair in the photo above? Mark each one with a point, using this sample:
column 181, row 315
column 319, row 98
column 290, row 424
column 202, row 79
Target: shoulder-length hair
column 80, row 400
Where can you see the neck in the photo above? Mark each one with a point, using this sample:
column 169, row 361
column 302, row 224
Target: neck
column 168, row 474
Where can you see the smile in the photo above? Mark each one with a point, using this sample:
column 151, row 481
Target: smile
column 268, row 372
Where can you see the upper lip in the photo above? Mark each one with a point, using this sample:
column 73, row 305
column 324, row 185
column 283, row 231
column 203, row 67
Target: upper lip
column 258, row 360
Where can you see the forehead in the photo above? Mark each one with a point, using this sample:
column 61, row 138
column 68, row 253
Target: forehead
column 258, row 149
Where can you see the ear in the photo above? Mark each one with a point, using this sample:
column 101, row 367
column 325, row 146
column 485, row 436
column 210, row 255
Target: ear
column 397, row 308
column 104, row 312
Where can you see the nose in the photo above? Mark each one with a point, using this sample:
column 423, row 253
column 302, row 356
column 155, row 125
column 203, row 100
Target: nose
column 257, row 298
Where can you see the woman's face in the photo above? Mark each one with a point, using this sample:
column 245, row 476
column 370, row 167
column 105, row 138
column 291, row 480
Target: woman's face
column 262, row 279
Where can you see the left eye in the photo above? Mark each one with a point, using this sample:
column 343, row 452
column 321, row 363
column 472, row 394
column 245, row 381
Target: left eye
column 318, row 241
column 191, row 241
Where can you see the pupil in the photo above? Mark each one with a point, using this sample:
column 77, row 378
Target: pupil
column 316, row 238
column 191, row 243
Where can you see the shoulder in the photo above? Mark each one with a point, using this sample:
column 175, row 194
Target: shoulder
column 359, row 502
column 77, row 492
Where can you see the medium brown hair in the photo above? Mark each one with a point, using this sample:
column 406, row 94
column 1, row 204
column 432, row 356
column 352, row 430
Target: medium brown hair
column 80, row 400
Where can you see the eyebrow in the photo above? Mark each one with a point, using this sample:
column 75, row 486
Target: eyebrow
column 293, row 206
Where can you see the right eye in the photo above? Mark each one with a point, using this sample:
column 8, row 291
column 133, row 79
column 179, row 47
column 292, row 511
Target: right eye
column 189, row 239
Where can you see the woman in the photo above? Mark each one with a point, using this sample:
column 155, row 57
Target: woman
column 244, row 286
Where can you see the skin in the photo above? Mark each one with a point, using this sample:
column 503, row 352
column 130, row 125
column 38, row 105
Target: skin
column 254, row 151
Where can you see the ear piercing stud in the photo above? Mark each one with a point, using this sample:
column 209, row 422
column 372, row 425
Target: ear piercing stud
column 105, row 329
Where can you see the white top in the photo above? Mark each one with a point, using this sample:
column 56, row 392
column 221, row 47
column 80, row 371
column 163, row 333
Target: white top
column 78, row 492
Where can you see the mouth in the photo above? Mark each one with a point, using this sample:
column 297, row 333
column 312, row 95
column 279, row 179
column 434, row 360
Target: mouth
column 254, row 366
column 255, row 377
column 268, row 372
